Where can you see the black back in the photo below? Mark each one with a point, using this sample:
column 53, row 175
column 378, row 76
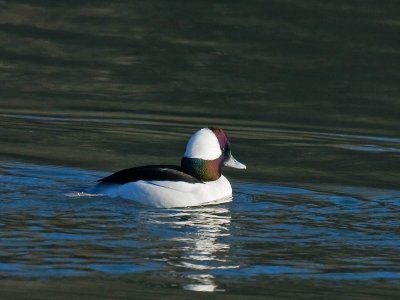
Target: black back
column 157, row 172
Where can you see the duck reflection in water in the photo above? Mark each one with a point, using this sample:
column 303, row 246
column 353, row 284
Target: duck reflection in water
column 198, row 245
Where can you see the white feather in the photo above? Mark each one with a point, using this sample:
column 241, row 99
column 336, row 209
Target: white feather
column 203, row 144
column 171, row 194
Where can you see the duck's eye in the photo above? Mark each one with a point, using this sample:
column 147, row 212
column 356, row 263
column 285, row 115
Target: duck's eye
column 223, row 149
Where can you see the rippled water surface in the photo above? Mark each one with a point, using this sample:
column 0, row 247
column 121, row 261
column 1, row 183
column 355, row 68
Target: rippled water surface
column 308, row 94
column 315, row 232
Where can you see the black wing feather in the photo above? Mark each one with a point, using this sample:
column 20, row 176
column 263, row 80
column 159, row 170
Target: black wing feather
column 157, row 172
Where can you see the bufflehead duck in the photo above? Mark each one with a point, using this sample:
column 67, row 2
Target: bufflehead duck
column 198, row 181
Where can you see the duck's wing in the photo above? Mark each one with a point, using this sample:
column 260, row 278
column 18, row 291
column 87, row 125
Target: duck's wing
column 157, row 172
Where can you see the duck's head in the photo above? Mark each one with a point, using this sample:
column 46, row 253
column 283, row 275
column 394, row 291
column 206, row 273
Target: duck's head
column 207, row 151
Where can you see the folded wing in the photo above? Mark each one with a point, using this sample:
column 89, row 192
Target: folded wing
column 150, row 173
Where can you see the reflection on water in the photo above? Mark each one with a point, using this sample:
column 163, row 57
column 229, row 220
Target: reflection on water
column 43, row 237
column 313, row 232
column 204, row 247
column 204, row 283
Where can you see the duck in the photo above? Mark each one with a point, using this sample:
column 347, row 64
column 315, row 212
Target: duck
column 197, row 181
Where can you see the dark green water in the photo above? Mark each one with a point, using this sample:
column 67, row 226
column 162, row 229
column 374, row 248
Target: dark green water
column 309, row 94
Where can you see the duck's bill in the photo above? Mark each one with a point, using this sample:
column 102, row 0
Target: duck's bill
column 233, row 163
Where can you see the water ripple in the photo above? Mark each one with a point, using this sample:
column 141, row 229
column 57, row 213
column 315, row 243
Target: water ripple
column 322, row 232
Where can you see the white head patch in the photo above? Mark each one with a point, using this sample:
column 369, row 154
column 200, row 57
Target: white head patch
column 203, row 144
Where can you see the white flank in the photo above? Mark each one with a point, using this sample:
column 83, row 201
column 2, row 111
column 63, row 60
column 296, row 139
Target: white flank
column 170, row 194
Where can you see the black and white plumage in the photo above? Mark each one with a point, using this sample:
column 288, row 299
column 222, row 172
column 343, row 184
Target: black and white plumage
column 198, row 181
column 149, row 173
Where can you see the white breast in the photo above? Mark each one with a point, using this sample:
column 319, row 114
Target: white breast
column 169, row 194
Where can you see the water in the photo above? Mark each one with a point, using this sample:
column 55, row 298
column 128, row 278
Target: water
column 314, row 233
column 308, row 93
